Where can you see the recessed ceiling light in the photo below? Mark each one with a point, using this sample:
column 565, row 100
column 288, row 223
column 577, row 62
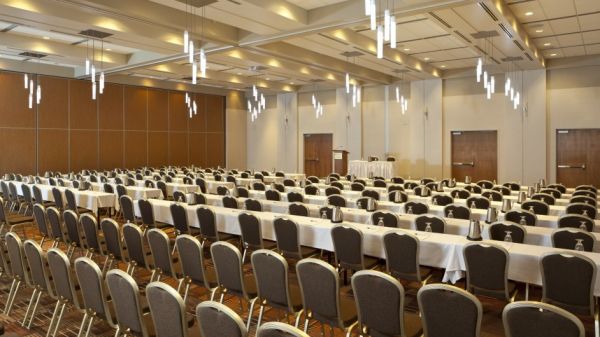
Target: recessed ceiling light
column 443, row 66
column 528, row 13
column 539, row 31
column 108, row 49
column 291, row 82
column 547, row 44
column 239, row 73
column 406, row 49
column 427, row 59
column 46, row 38
column 268, row 79
column 553, row 54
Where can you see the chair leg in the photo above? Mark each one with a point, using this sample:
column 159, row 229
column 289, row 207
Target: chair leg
column 260, row 314
column 31, row 301
column 14, row 289
column 33, row 312
column 81, row 327
column 298, row 318
column 250, row 313
column 53, row 319
column 89, row 328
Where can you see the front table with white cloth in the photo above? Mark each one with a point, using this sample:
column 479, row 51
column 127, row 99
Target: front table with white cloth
column 362, row 168
column 437, row 250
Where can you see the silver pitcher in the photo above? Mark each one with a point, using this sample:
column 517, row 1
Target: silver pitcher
column 491, row 215
column 530, row 191
column 542, row 182
column 467, row 180
column 452, row 183
column 397, row 197
column 371, row 205
column 537, row 187
column 370, row 175
column 191, row 199
column 474, row 231
column 336, row 215
column 522, row 197
column 440, row 186
column 506, row 205
column 425, row 191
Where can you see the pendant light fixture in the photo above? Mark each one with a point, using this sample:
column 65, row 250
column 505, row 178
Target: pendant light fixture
column 385, row 31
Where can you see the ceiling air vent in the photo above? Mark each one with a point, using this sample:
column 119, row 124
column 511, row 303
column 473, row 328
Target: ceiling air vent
column 518, row 44
column 96, row 34
column 512, row 59
column 506, row 31
column 351, row 53
column 487, row 10
column 258, row 68
column 462, row 36
column 33, row 55
column 529, row 57
column 440, row 20
column 401, row 71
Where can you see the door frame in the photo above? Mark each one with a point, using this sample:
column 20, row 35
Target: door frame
column 304, row 148
column 451, row 148
column 556, row 163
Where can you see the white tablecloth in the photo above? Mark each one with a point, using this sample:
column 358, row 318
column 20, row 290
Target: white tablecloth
column 362, row 168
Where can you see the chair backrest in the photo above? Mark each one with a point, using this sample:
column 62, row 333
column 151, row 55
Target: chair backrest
column 478, row 202
column 582, row 209
column 331, row 190
column 208, row 223
column 202, row 184
column 392, row 196
column 89, row 278
column 60, row 269
column 371, row 194
column 560, row 187
column 89, row 227
column 473, row 189
column 259, row 186
column 348, row 247
column 586, row 188
column 161, row 251
column 167, row 309
column 546, row 198
column 125, row 296
column 568, row 281
column 457, row 211
column 487, row 268
column 522, row 217
column 582, row 199
column 217, row 320
column 191, row 259
column 413, row 207
column 37, row 194
column 180, row 220
column 134, row 241
column 379, row 303
column 36, row 261
column 295, row 197
column 536, row 207
column 336, row 200
column 126, row 203
column 230, row 202
column 576, row 221
column 492, row 195
column 279, row 329
column 311, row 190
column 298, row 209
column 389, row 219
column 251, row 230
column 146, row 211
column 286, row 234
column 112, row 236
column 485, row 184
column 551, row 191
column 273, row 195
column 72, row 226
column 402, row 255
column 227, row 260
column 442, row 199
column 586, row 193
column 71, row 202
column 337, row 184
column 253, row 205
column 242, row 192
column 436, row 223
column 567, row 238
column 41, row 219
column 460, row 194
column 410, row 185
column 58, row 199
column 271, row 274
column 26, row 193
column 502, row 190
column 550, row 321
column 121, row 190
column 16, row 256
column 449, row 311
column 500, row 229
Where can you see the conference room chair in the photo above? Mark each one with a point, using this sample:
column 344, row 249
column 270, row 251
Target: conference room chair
column 278, row 187
column 551, row 191
column 58, row 199
column 388, row 219
column 320, row 289
column 568, row 281
column 331, row 190
column 288, row 241
column 355, row 186
column 179, row 196
column 229, row 202
column 336, row 200
column 200, row 182
column 441, row 199
column 125, row 295
column 295, row 197
column 228, row 178
column 583, row 200
column 436, row 223
column 485, row 184
column 289, row 182
column 576, row 221
column 551, row 321
column 586, row 188
column 16, row 201
column 475, row 189
column 543, row 197
column 380, row 306
column 502, row 190
column 425, row 181
column 163, row 260
column 168, row 312
column 298, row 209
column 231, row 279
column 193, row 267
column 37, row 195
column 334, row 175
column 402, row 257
column 371, row 194
column 569, row 238
column 217, row 320
column 52, row 182
column 537, row 207
column 393, row 195
column 96, row 303
column 67, row 291
column 126, row 203
column 413, row 207
column 492, row 195
column 409, row 185
column 460, row 194
column 379, row 183
column 242, row 192
column 313, row 179
column 397, row 180
column 487, row 265
column 457, row 212
column 311, row 190
column 337, row 184
column 113, row 239
column 121, row 190
column 27, row 201
column 56, row 230
column 72, row 237
column 432, row 186
column 180, row 220
column 208, row 227
column 363, row 202
column 244, row 175
column 478, row 202
column 91, row 240
column 586, row 193
column 147, row 215
column 395, row 187
column 326, row 212
column 560, row 187
column 138, row 254
column 162, row 186
column 217, row 177
column 18, row 271
column 584, row 209
column 522, row 217
column 348, row 250
column 41, row 220
column 222, row 190
column 273, row 285
column 129, row 181
column 251, row 234
column 499, row 231
column 449, row 311
column 149, row 183
column 273, row 195
column 279, row 329
column 253, row 205
column 513, row 186
column 39, row 279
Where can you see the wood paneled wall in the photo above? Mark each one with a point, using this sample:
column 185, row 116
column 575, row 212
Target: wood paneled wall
column 127, row 126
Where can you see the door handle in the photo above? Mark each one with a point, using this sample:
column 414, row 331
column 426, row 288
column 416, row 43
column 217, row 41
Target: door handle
column 582, row 166
column 472, row 164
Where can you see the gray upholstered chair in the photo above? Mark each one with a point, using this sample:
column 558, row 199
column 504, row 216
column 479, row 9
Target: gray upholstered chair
column 193, row 268
column 550, row 321
column 545, row 197
column 298, row 209
column 126, row 203
column 91, row 240
column 380, row 306
column 413, row 207
column 402, row 257
column 487, row 270
column 478, row 202
column 208, row 226
column 500, row 229
column 536, row 207
column 253, row 205
column 388, row 219
column 288, row 241
column 336, row 200
column 449, row 311
column 251, row 234
column 180, row 220
column 72, row 237
column 160, row 247
column 112, row 237
column 522, row 217
column 39, row 279
column 567, row 238
column 584, row 209
column 576, row 221
column 460, row 194
column 217, row 320
column 436, row 223
column 348, row 249
column 65, row 286
column 41, row 220
column 457, row 211
column 279, row 329
column 492, row 195
column 137, row 251
column 442, row 199
column 167, row 309
column 56, row 228
column 126, row 301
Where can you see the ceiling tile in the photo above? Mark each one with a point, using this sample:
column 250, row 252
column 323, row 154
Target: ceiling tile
column 520, row 8
column 570, row 40
column 587, row 6
column 573, row 51
column 564, row 26
column 592, row 49
column 591, row 37
column 557, row 9
column 590, row 21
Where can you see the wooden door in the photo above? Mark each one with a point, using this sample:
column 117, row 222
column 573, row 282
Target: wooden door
column 318, row 154
column 577, row 157
column 474, row 154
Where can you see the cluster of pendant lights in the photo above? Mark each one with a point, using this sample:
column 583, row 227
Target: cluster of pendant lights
column 256, row 104
column 29, row 84
column 188, row 44
column 489, row 81
column 489, row 84
column 511, row 88
column 403, row 101
column 356, row 90
column 191, row 104
column 386, row 31
column 317, row 106
column 90, row 70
